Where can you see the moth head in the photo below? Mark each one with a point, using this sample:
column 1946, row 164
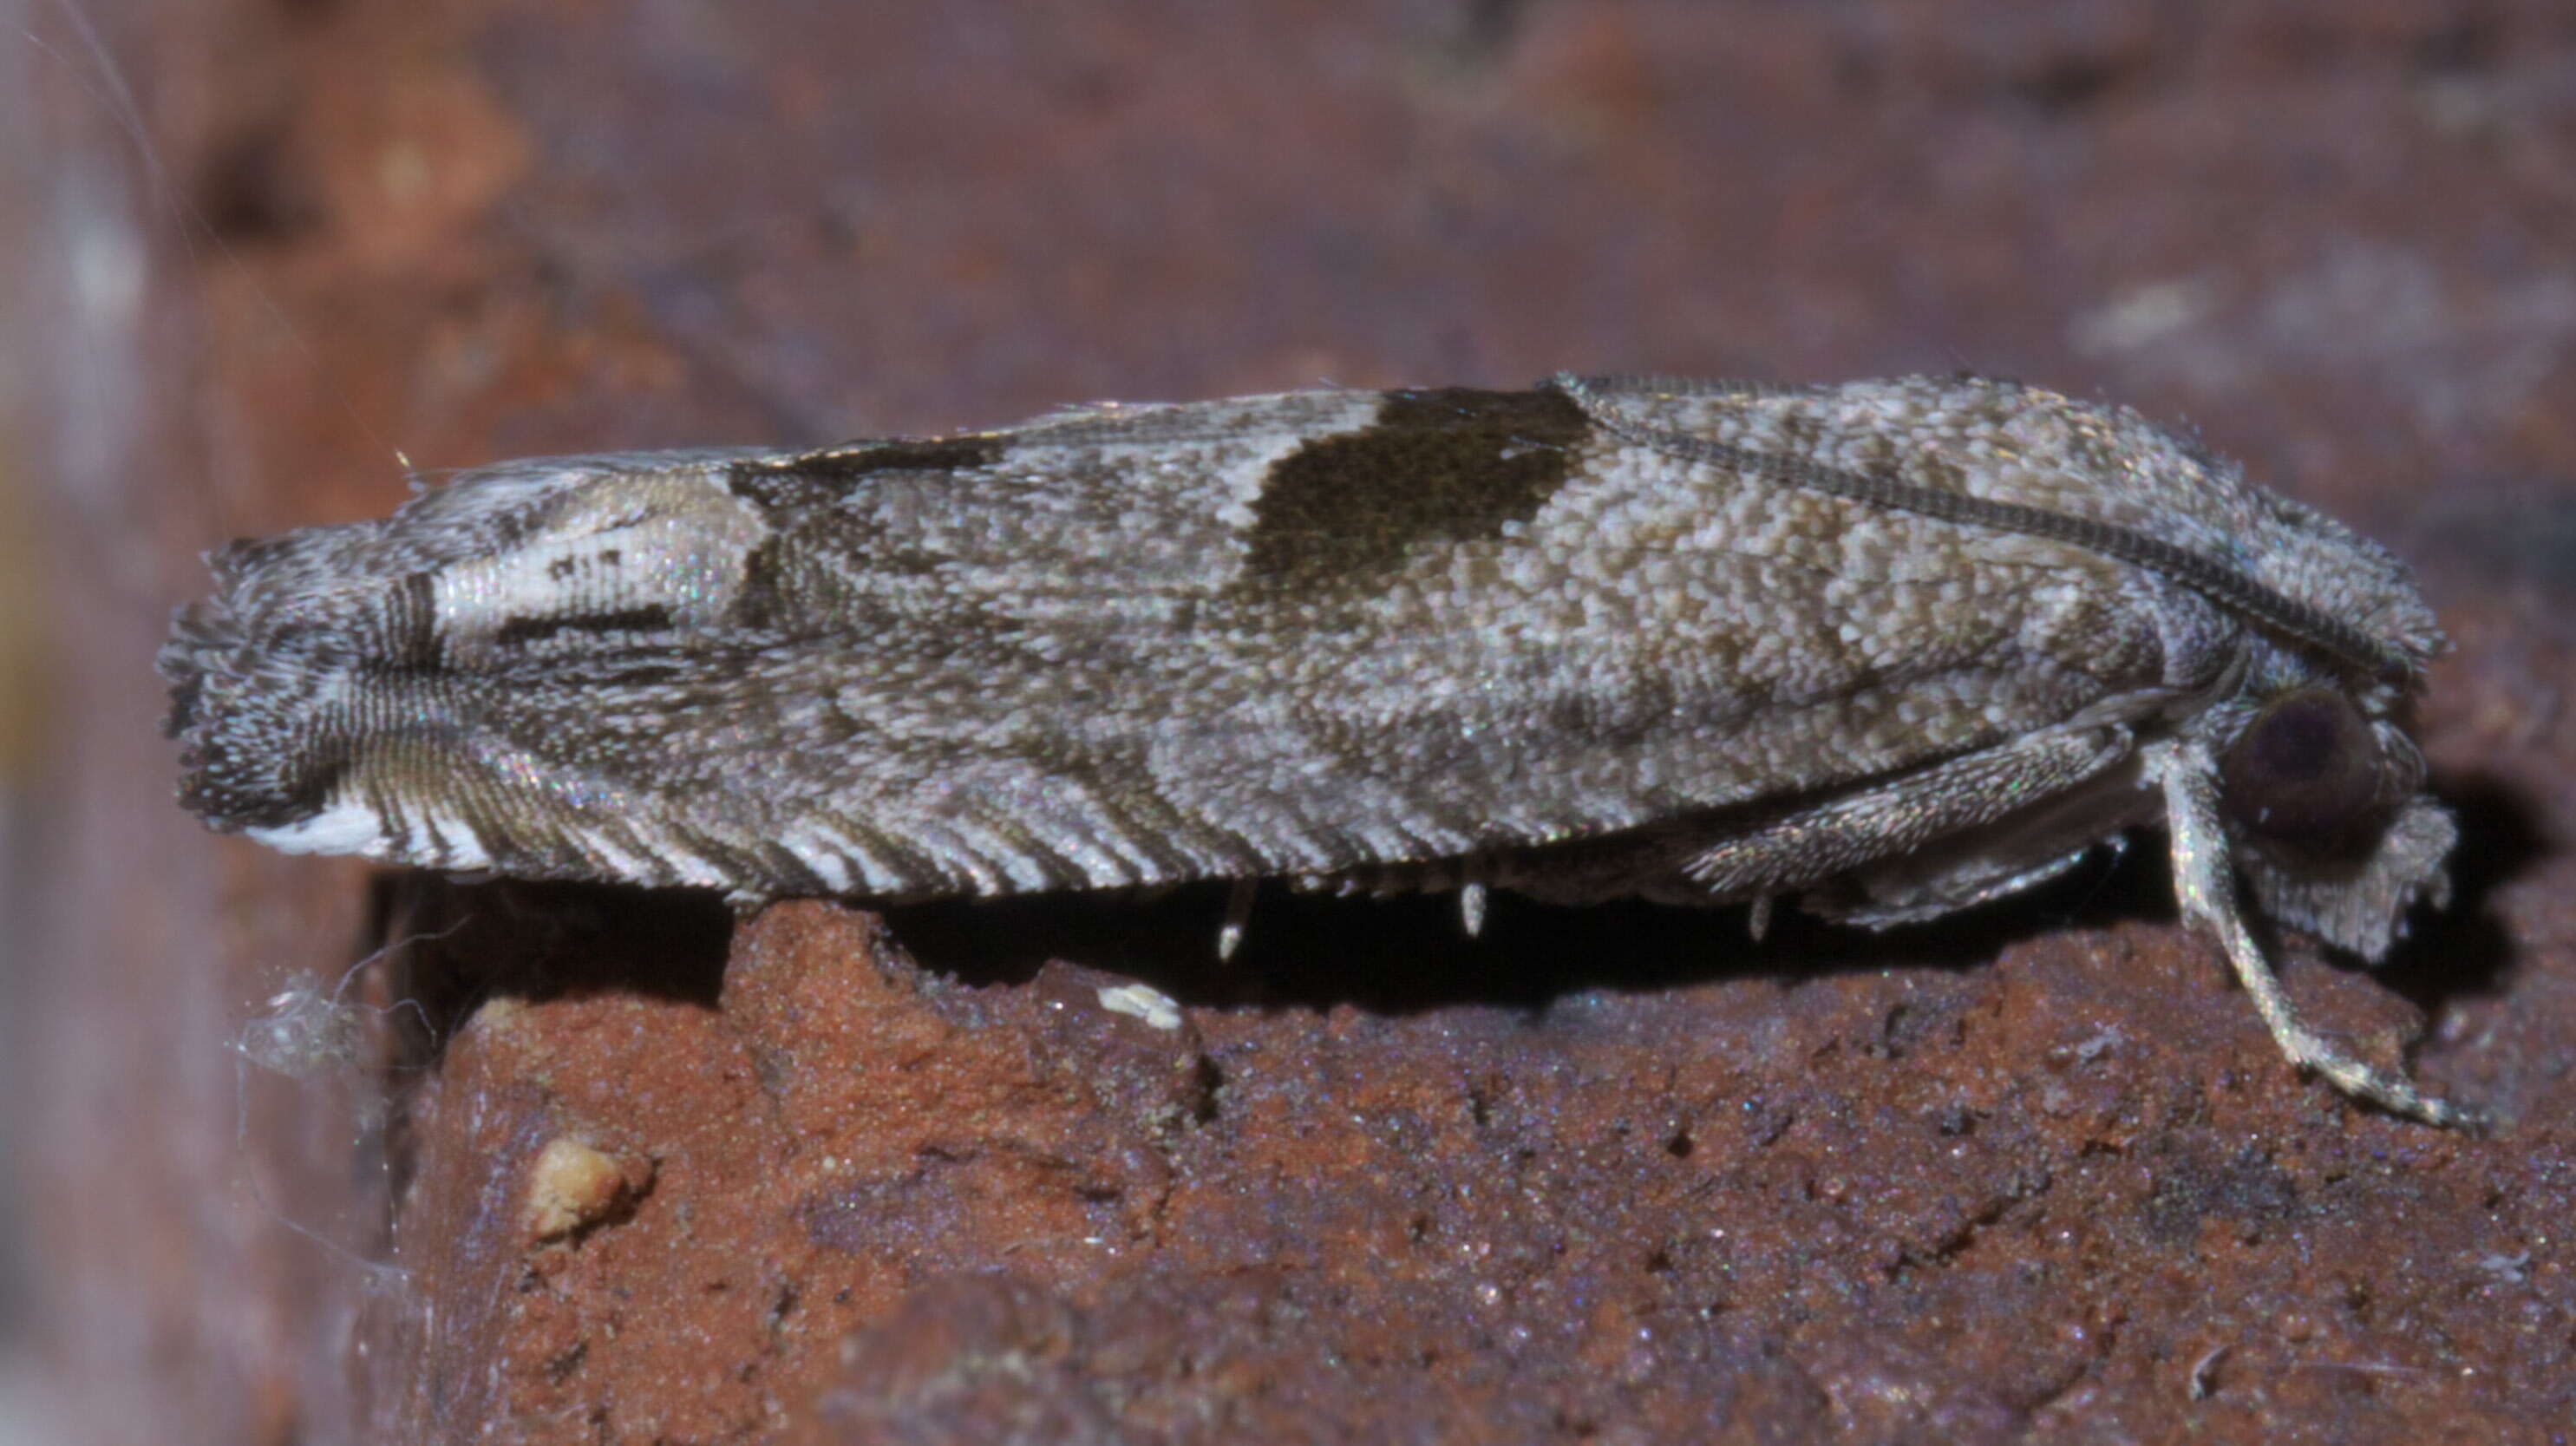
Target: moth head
column 2324, row 795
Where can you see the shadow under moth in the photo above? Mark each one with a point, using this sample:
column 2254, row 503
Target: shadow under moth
column 1887, row 648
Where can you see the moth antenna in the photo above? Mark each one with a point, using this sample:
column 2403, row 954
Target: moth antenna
column 2205, row 885
column 1238, row 913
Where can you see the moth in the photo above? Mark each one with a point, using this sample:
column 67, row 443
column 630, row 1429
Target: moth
column 1887, row 649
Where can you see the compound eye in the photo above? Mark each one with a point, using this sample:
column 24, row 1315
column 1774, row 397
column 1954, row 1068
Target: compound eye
column 2307, row 769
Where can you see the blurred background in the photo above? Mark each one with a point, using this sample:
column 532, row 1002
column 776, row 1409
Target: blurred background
column 261, row 258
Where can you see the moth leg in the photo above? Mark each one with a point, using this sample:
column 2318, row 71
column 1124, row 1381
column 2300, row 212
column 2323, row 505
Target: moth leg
column 1471, row 894
column 1758, row 922
column 2029, row 878
column 1898, row 816
column 1859, row 855
column 1238, row 913
column 2205, row 884
column 1471, row 909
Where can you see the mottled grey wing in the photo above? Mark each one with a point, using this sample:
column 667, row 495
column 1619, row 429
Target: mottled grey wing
column 1276, row 635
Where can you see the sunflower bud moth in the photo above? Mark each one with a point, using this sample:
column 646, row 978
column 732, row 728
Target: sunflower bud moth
column 1886, row 649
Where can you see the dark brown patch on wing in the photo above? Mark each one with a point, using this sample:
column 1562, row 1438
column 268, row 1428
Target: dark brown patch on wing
column 815, row 477
column 1443, row 465
column 521, row 631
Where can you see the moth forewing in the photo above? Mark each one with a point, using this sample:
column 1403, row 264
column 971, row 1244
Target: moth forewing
column 1895, row 647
